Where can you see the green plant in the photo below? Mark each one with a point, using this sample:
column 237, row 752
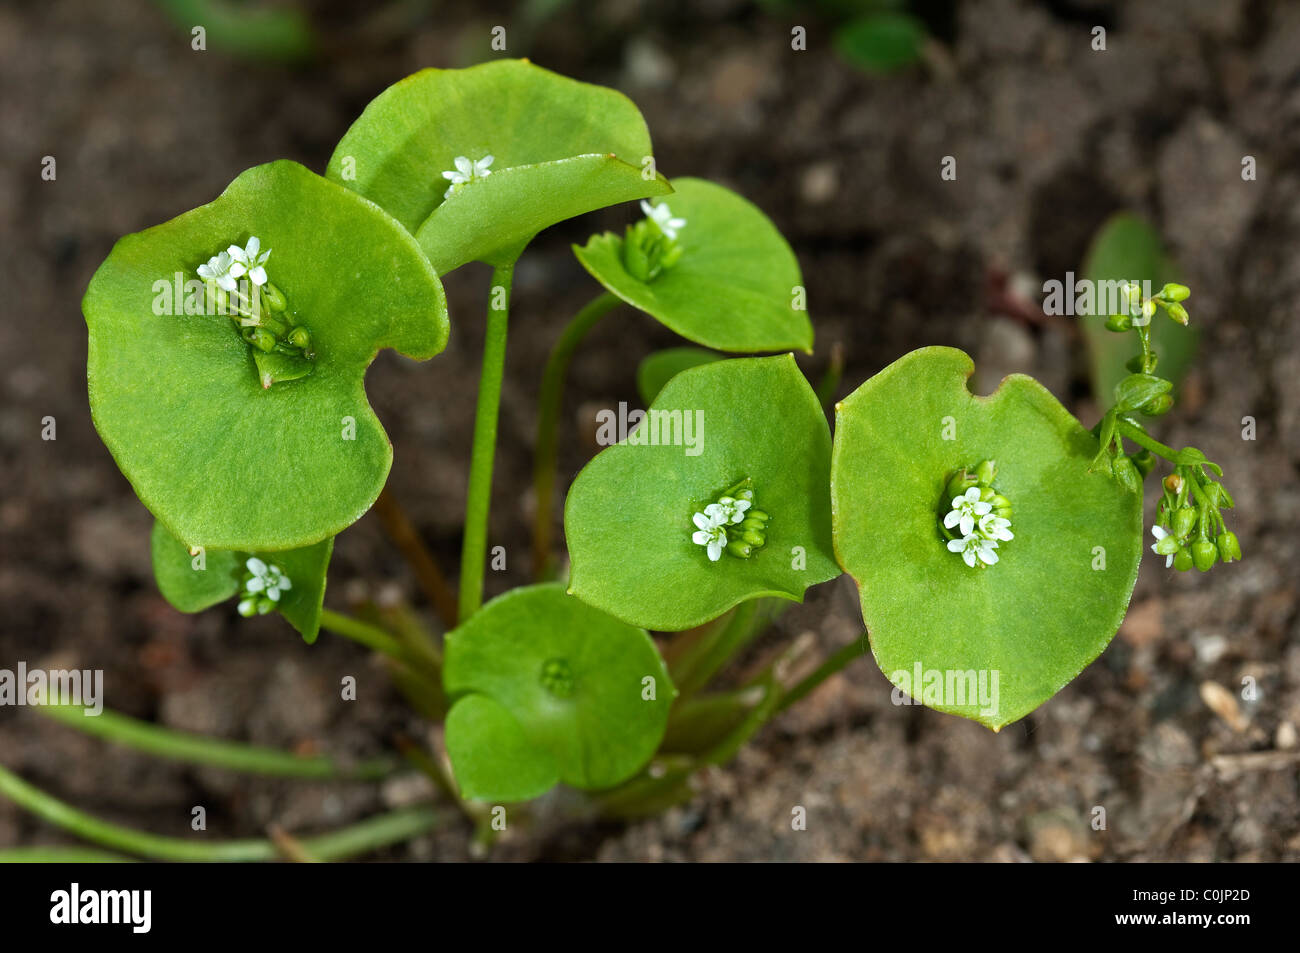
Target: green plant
column 991, row 536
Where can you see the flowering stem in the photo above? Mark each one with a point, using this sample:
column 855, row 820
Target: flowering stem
column 1140, row 437
column 548, row 418
column 478, row 501
column 199, row 749
column 405, row 537
column 834, row 662
column 370, row 834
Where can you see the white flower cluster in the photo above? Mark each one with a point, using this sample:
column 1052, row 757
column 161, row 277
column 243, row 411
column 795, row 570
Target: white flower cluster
column 227, row 267
column 711, row 525
column 262, row 587
column 980, row 529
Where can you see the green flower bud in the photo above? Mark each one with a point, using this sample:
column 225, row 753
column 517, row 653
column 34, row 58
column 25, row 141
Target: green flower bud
column 1183, row 559
column 264, row 606
column 1174, row 483
column 300, row 337
column 1126, row 473
column 247, row 608
column 1168, row 545
column 740, row 548
column 987, row 493
column 750, row 523
column 1184, row 521
column 1002, row 512
column 262, row 339
column 1157, row 405
column 958, row 484
column 1175, row 292
column 1178, row 313
column 1144, row 461
column 1213, row 493
column 1119, row 322
column 986, row 471
column 758, row 515
column 274, row 298
column 754, row 537
column 1229, row 548
column 1204, row 554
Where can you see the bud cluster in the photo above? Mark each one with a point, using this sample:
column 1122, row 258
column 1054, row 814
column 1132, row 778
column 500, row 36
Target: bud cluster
column 263, row 316
column 650, row 247
column 1189, row 528
column 1140, row 312
column 731, row 524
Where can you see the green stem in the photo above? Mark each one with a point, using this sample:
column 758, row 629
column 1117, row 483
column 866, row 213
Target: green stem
column 371, row 636
column 1140, row 437
column 198, row 749
column 478, row 500
column 834, row 662
column 61, row 855
column 370, row 834
column 548, row 423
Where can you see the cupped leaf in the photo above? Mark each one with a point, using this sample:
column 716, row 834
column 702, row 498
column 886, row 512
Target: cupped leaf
column 629, row 514
column 737, row 285
column 194, row 581
column 944, row 632
column 1126, row 248
column 659, row 368
column 222, row 460
column 559, row 148
column 574, row 695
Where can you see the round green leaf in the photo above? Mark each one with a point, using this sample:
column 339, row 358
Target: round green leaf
column 736, row 285
column 588, row 691
column 222, row 461
column 628, row 514
column 1059, row 591
column 560, row 148
column 194, row 582
column 659, row 368
column 493, row 757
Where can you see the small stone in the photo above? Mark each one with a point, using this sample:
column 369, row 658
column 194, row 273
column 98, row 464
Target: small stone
column 1224, row 704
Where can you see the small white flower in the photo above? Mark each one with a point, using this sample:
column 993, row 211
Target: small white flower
column 218, row 269
column 966, row 511
column 1159, row 532
column 974, row 547
column 267, row 579
column 727, row 510
column 709, row 533
column 995, row 527
column 467, row 170
column 248, row 261
column 662, row 216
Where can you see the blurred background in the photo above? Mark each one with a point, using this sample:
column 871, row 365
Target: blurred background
column 841, row 145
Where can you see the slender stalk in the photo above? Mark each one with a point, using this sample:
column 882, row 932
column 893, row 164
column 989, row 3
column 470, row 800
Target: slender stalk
column 478, row 500
column 198, row 749
column 61, row 855
column 402, row 532
column 548, row 423
column 371, row 636
column 1142, row 439
column 370, row 834
column 837, row 660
